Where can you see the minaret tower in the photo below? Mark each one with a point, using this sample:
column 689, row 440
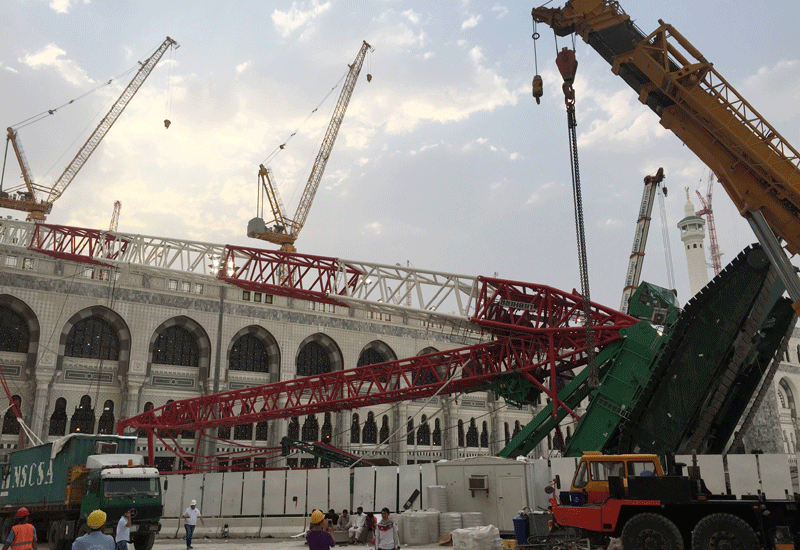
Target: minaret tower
column 693, row 232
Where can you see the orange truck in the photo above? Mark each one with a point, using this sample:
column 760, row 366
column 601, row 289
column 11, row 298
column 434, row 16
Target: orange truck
column 631, row 497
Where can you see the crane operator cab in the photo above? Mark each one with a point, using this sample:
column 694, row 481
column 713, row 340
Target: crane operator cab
column 599, row 475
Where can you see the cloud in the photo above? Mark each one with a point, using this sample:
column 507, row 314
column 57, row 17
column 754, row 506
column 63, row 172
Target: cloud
column 412, row 16
column 51, row 56
column 63, row 6
column 610, row 223
column 471, row 22
column 428, row 55
column 9, row 69
column 374, row 227
column 242, row 67
column 501, row 11
column 297, row 16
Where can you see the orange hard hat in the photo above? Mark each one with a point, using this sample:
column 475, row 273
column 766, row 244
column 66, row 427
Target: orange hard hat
column 22, row 512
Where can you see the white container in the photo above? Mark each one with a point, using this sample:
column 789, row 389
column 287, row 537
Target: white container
column 471, row 519
column 432, row 517
column 415, row 529
column 437, row 498
column 398, row 520
column 449, row 522
column 477, row 538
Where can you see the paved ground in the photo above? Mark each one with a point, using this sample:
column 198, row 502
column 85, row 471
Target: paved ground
column 255, row 544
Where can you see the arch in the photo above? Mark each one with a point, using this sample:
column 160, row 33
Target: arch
column 199, row 337
column 318, row 354
column 426, row 351
column 243, row 432
column 254, row 349
column 786, row 386
column 106, row 423
column 410, row 431
column 327, row 429
column 472, row 434
column 375, row 352
column 384, row 428
column 89, row 323
column 355, row 430
column 83, row 418
column 461, row 433
column 310, row 431
column 507, row 432
column 18, row 307
column 294, row 428
column 485, row 435
column 437, row 433
column 176, row 346
column 58, row 420
column 424, row 432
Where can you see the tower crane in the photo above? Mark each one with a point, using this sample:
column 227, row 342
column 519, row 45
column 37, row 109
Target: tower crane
column 716, row 255
column 283, row 230
column 652, row 185
column 756, row 166
column 37, row 199
column 115, row 216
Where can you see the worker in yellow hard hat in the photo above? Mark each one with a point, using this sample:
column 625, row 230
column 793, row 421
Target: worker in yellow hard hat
column 96, row 539
column 23, row 534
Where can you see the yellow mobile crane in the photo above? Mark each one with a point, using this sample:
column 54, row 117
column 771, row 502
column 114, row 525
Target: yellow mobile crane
column 284, row 230
column 37, row 199
column 757, row 167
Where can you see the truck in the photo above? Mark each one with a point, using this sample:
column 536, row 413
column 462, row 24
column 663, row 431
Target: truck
column 631, row 497
column 62, row 482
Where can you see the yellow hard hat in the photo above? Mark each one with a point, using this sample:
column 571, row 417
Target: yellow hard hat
column 317, row 516
column 96, row 519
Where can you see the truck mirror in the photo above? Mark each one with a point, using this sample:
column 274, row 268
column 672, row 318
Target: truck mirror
column 558, row 482
column 166, row 484
column 549, row 490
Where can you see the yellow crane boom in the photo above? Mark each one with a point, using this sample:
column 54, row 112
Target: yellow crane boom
column 756, row 166
column 282, row 230
column 38, row 200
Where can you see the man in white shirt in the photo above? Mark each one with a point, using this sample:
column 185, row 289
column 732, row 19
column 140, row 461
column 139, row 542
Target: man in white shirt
column 191, row 515
column 356, row 525
column 124, row 531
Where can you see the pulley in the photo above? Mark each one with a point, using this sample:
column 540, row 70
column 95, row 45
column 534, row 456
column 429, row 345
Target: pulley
column 538, row 90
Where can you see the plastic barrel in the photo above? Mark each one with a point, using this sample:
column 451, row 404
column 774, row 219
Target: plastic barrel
column 521, row 529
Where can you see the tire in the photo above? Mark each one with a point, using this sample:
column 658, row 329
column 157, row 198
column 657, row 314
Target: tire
column 651, row 532
column 6, row 528
column 54, row 538
column 722, row 531
column 144, row 543
column 83, row 530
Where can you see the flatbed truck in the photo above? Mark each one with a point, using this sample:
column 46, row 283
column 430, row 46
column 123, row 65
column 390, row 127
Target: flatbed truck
column 62, row 482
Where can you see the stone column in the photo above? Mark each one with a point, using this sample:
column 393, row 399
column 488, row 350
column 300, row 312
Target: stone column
column 496, row 433
column 450, row 427
column 40, row 418
column 399, row 445
column 132, row 388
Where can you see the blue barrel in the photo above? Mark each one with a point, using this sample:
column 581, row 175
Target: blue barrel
column 521, row 529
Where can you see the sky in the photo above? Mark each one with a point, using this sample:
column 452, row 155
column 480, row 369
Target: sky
column 443, row 161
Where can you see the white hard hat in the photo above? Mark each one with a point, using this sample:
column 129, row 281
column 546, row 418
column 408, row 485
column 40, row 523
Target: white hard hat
column 193, row 503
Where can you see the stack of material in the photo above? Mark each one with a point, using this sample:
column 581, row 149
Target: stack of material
column 471, row 519
column 449, row 522
column 398, row 520
column 437, row 498
column 421, row 527
column 477, row 538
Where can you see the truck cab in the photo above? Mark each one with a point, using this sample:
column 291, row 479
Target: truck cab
column 590, row 484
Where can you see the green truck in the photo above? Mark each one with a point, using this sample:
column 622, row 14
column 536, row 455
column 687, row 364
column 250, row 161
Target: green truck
column 62, row 482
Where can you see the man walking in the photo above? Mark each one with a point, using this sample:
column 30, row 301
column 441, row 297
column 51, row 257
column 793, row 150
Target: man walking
column 191, row 515
column 23, row 534
column 124, row 531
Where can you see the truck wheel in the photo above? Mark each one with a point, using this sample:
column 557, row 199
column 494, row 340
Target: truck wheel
column 719, row 531
column 145, row 543
column 54, row 537
column 6, row 529
column 651, row 532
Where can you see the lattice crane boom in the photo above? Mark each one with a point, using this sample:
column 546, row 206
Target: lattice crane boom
column 708, row 212
column 286, row 230
column 38, row 201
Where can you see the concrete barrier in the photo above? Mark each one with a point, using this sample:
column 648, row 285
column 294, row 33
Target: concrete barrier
column 282, row 526
column 241, row 527
column 209, row 527
column 169, row 528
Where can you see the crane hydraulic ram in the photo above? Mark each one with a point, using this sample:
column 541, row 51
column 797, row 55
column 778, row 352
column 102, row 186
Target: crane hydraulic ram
column 285, row 230
column 756, row 166
column 38, row 200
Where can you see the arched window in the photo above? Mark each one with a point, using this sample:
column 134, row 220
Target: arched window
column 787, row 389
column 472, row 434
column 355, row 430
column 176, row 346
column 147, row 407
column 106, row 424
column 249, row 354
column 92, row 338
column 14, row 335
column 410, row 431
column 485, row 436
column 385, row 429
column 370, row 429
column 10, row 424
column 327, row 429
column 224, row 433
column 313, row 359
column 243, row 432
column 294, row 428
column 311, row 428
column 424, row 432
column 369, row 356
column 437, row 433
column 58, row 420
column 82, row 420
column 517, row 428
column 508, row 433
column 460, row 433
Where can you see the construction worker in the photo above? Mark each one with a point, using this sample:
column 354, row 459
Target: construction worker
column 96, row 540
column 23, row 533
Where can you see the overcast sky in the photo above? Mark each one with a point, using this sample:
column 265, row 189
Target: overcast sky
column 444, row 160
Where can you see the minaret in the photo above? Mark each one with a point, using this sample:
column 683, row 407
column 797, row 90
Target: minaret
column 693, row 232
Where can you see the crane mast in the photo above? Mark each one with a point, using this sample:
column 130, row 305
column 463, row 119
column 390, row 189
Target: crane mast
column 756, row 166
column 652, row 184
column 716, row 255
column 38, row 201
column 285, row 231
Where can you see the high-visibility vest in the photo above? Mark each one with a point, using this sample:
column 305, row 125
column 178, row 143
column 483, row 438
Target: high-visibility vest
column 23, row 536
